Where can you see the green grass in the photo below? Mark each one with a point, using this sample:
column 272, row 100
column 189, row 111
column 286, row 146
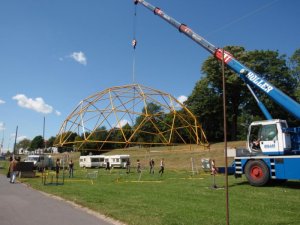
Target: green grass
column 178, row 197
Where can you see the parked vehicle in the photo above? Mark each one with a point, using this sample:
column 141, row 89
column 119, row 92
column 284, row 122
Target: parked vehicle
column 91, row 161
column 118, row 161
column 40, row 162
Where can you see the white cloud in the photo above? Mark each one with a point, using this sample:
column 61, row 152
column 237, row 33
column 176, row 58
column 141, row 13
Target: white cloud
column 58, row 113
column 2, row 126
column 79, row 57
column 122, row 123
column 182, row 99
column 36, row 104
column 12, row 137
column 20, row 138
column 1, row 101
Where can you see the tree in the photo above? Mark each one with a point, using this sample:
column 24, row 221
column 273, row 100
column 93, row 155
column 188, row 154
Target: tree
column 116, row 136
column 295, row 71
column 78, row 141
column 25, row 144
column 37, row 142
column 97, row 138
column 147, row 132
column 206, row 104
column 69, row 138
column 206, row 99
column 51, row 141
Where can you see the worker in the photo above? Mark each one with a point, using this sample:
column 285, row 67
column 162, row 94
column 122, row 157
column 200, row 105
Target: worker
column 213, row 167
column 256, row 144
column 162, row 167
column 128, row 166
column 138, row 168
column 151, row 164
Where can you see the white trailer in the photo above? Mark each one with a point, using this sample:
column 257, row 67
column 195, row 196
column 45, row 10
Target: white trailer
column 116, row 161
column 91, row 161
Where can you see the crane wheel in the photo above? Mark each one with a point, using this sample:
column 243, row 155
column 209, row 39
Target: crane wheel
column 257, row 173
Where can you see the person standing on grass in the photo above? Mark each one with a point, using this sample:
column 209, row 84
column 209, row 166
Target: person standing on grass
column 71, row 168
column 138, row 168
column 57, row 167
column 151, row 164
column 162, row 167
column 107, row 165
column 128, row 165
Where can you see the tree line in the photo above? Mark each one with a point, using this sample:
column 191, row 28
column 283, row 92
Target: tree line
column 205, row 102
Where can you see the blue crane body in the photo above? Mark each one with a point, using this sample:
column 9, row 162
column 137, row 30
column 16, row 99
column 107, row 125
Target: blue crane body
column 273, row 149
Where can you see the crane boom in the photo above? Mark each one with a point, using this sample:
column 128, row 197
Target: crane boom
column 244, row 72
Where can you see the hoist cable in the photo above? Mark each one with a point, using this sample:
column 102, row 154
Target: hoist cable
column 134, row 42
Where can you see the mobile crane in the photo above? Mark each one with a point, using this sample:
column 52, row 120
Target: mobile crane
column 273, row 149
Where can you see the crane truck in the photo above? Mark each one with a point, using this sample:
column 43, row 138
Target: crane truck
column 273, row 148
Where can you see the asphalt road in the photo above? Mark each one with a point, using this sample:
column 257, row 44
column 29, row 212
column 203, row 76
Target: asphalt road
column 21, row 205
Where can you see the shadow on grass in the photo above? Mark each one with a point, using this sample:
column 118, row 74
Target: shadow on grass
column 274, row 183
column 289, row 184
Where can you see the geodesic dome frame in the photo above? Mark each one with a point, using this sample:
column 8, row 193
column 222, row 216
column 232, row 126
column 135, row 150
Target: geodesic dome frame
column 130, row 115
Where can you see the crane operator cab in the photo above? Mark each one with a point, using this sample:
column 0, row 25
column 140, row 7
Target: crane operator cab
column 267, row 137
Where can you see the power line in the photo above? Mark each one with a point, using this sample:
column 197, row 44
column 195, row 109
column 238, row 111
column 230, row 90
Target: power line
column 243, row 17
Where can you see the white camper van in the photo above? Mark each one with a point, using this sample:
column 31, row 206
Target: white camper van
column 116, row 160
column 40, row 161
column 91, row 161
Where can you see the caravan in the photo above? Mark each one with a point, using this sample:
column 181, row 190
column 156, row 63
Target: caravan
column 91, row 161
column 117, row 160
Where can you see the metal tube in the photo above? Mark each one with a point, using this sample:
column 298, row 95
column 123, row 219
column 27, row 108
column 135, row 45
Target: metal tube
column 225, row 138
column 181, row 27
column 260, row 104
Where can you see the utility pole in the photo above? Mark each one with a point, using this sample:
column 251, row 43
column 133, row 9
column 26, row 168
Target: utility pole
column 44, row 134
column 15, row 145
column 2, row 141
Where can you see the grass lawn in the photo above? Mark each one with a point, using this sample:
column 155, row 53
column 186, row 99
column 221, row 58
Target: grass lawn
column 177, row 197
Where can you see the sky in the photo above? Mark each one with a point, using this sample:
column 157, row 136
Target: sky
column 54, row 53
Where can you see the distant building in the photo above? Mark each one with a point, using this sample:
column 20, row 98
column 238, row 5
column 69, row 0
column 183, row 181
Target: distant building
column 52, row 150
column 23, row 151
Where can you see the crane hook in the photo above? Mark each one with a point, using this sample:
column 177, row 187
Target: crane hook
column 134, row 43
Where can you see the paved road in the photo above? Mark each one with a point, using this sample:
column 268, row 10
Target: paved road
column 21, row 205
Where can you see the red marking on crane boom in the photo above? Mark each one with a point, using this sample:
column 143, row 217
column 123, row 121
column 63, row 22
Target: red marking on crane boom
column 227, row 56
column 184, row 29
column 157, row 11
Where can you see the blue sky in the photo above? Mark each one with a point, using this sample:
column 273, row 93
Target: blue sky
column 54, row 53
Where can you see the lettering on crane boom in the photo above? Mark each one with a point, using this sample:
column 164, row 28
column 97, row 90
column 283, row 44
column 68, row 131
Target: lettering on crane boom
column 259, row 82
column 250, row 75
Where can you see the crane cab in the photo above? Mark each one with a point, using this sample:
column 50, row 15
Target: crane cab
column 268, row 137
